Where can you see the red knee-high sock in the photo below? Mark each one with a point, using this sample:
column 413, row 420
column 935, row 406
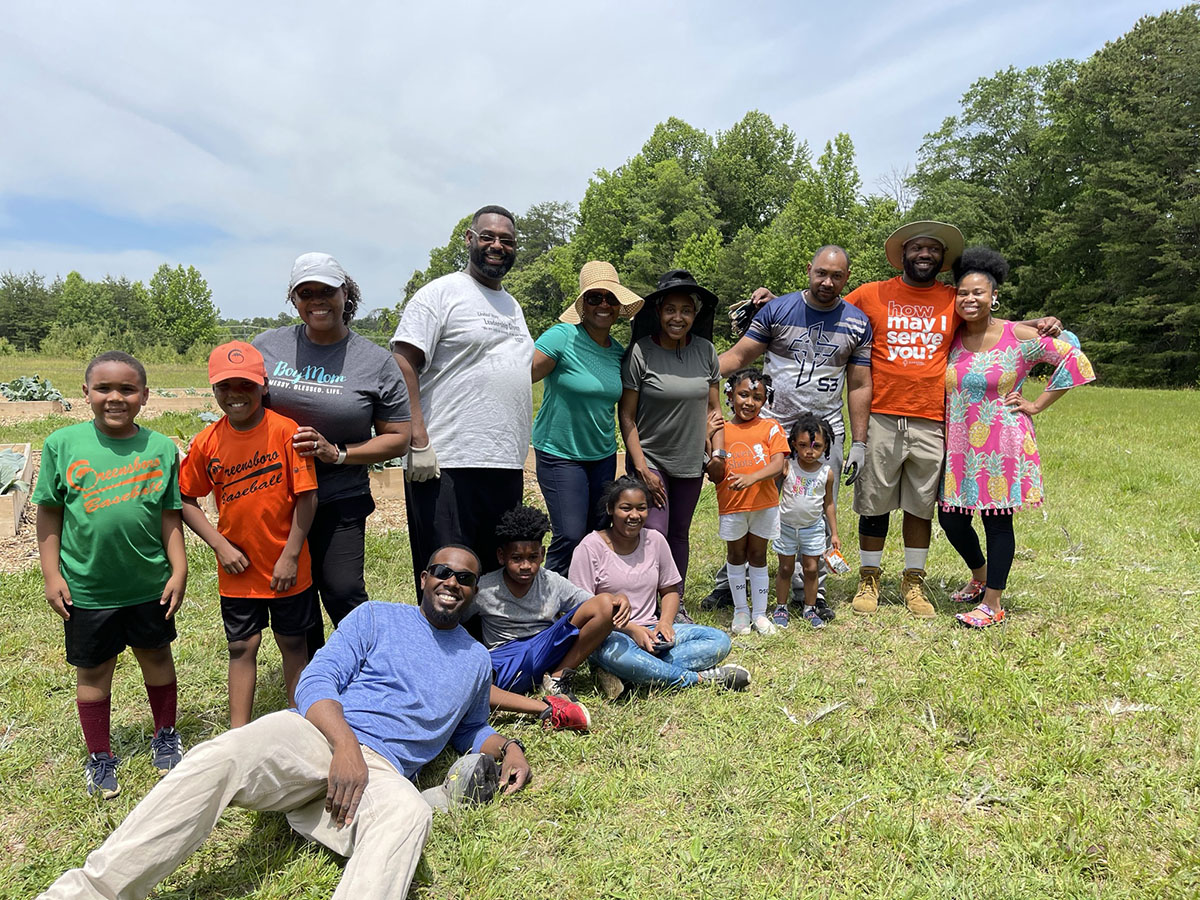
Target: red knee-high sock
column 163, row 699
column 95, row 716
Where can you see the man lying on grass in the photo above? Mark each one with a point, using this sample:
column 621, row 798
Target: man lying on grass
column 539, row 627
column 378, row 702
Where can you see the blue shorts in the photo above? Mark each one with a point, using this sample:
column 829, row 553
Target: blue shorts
column 519, row 665
column 809, row 541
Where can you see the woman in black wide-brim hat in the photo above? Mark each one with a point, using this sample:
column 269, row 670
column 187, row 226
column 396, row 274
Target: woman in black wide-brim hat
column 669, row 379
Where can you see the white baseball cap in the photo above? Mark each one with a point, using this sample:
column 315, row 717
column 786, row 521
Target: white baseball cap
column 319, row 267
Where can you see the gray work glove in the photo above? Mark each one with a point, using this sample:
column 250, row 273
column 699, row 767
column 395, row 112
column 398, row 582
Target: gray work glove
column 854, row 461
column 422, row 464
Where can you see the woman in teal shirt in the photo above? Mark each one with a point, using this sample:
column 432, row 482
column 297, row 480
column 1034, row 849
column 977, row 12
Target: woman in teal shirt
column 574, row 434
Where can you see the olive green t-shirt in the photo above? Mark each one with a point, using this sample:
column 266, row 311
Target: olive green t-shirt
column 113, row 493
column 672, row 405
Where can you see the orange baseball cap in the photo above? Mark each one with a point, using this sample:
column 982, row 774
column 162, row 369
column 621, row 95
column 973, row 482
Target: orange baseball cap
column 237, row 359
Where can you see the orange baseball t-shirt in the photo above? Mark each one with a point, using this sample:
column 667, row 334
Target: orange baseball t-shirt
column 751, row 446
column 913, row 329
column 255, row 476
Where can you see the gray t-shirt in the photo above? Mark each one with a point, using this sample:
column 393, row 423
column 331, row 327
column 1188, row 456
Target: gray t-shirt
column 476, row 393
column 339, row 389
column 672, row 402
column 507, row 618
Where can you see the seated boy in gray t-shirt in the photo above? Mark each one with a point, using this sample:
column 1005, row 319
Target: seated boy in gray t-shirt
column 538, row 626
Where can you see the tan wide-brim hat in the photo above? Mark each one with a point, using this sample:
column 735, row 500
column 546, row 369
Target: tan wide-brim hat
column 601, row 276
column 947, row 235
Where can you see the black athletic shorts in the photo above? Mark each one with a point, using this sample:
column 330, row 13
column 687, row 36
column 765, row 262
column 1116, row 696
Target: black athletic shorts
column 245, row 617
column 94, row 636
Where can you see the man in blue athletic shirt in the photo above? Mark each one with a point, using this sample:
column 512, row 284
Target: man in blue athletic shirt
column 392, row 686
column 814, row 344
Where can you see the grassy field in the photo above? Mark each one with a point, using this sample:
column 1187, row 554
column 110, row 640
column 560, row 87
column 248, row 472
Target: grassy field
column 67, row 374
column 1055, row 756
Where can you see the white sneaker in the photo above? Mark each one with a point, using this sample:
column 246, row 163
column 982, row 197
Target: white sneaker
column 741, row 622
column 763, row 625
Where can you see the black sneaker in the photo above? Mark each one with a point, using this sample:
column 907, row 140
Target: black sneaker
column 100, row 773
column 682, row 617
column 166, row 748
column 824, row 610
column 473, row 779
column 562, row 686
column 720, row 597
column 729, row 676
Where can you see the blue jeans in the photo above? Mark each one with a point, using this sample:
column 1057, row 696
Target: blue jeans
column 697, row 647
column 572, row 491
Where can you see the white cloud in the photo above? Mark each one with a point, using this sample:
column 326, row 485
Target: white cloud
column 369, row 130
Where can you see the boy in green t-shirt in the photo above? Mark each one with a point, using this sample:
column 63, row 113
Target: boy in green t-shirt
column 110, row 540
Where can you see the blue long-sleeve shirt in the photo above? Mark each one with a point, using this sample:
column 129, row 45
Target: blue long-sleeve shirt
column 406, row 688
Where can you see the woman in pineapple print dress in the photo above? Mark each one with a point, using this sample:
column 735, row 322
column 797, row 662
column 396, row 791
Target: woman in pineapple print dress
column 992, row 462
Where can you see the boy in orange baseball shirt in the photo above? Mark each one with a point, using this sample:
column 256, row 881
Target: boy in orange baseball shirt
column 266, row 496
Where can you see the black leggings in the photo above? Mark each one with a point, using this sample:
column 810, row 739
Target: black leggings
column 1001, row 543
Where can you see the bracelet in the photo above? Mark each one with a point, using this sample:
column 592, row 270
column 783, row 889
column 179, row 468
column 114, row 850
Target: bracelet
column 509, row 743
column 341, row 457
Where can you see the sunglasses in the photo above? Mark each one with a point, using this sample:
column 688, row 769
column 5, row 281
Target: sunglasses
column 443, row 572
column 487, row 238
column 601, row 300
column 324, row 292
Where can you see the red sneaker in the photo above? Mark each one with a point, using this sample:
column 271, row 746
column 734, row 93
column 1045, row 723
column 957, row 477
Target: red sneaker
column 565, row 714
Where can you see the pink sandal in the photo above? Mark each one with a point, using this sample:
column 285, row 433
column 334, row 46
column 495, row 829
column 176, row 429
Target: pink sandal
column 969, row 592
column 982, row 616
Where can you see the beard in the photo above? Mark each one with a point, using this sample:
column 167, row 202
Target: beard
column 911, row 270
column 441, row 618
column 478, row 256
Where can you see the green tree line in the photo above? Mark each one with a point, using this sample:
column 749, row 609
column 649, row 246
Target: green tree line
column 1085, row 174
column 171, row 317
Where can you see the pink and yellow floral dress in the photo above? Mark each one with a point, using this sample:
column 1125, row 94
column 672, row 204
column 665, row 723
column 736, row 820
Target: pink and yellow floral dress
column 992, row 462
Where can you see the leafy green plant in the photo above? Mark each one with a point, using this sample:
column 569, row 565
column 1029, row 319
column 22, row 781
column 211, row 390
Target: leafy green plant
column 12, row 464
column 32, row 387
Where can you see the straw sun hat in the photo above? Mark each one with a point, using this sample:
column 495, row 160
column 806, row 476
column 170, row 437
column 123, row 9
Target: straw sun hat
column 601, row 276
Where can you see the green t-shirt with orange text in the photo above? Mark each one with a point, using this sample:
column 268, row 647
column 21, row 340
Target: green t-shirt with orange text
column 113, row 493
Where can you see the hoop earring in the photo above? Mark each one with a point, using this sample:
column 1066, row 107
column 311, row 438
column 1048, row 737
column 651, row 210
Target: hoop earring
column 995, row 302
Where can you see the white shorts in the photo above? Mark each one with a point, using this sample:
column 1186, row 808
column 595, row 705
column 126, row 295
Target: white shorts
column 763, row 523
column 809, row 540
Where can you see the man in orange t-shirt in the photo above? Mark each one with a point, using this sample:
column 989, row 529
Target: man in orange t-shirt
column 913, row 320
column 266, row 497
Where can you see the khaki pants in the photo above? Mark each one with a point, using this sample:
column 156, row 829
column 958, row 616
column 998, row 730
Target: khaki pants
column 279, row 762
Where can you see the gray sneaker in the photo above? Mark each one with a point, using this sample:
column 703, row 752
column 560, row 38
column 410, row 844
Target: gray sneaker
column 473, row 779
column 166, row 748
column 611, row 686
column 562, row 686
column 100, row 773
column 729, row 676
column 682, row 617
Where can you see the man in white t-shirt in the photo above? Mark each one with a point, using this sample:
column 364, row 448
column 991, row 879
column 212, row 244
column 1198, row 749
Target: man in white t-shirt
column 465, row 352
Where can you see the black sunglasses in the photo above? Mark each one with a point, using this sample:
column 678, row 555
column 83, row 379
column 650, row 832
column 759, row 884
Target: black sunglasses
column 601, row 300
column 443, row 572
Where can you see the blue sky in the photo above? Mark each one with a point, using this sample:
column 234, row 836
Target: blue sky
column 234, row 136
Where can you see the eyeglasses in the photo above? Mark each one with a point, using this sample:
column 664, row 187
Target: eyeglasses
column 601, row 300
column 486, row 237
column 325, row 292
column 443, row 572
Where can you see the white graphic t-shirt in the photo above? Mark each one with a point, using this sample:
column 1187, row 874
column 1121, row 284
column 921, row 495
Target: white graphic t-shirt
column 476, row 393
column 802, row 495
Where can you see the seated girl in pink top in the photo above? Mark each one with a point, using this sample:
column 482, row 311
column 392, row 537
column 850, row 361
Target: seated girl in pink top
column 627, row 558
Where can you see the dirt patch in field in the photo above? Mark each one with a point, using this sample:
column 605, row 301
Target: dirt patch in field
column 20, row 552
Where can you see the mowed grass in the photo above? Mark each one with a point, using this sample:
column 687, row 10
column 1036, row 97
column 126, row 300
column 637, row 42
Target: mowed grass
column 1055, row 756
column 66, row 374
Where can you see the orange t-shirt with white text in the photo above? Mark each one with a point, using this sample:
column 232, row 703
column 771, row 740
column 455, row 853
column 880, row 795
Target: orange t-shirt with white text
column 913, row 328
column 750, row 446
column 255, row 476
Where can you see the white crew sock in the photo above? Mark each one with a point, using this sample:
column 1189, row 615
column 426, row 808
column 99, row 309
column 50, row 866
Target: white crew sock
column 914, row 557
column 759, row 587
column 870, row 558
column 737, row 586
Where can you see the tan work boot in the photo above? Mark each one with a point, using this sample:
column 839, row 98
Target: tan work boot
column 912, row 589
column 866, row 598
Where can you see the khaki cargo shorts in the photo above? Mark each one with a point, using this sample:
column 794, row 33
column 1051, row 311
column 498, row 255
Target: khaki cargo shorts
column 903, row 466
